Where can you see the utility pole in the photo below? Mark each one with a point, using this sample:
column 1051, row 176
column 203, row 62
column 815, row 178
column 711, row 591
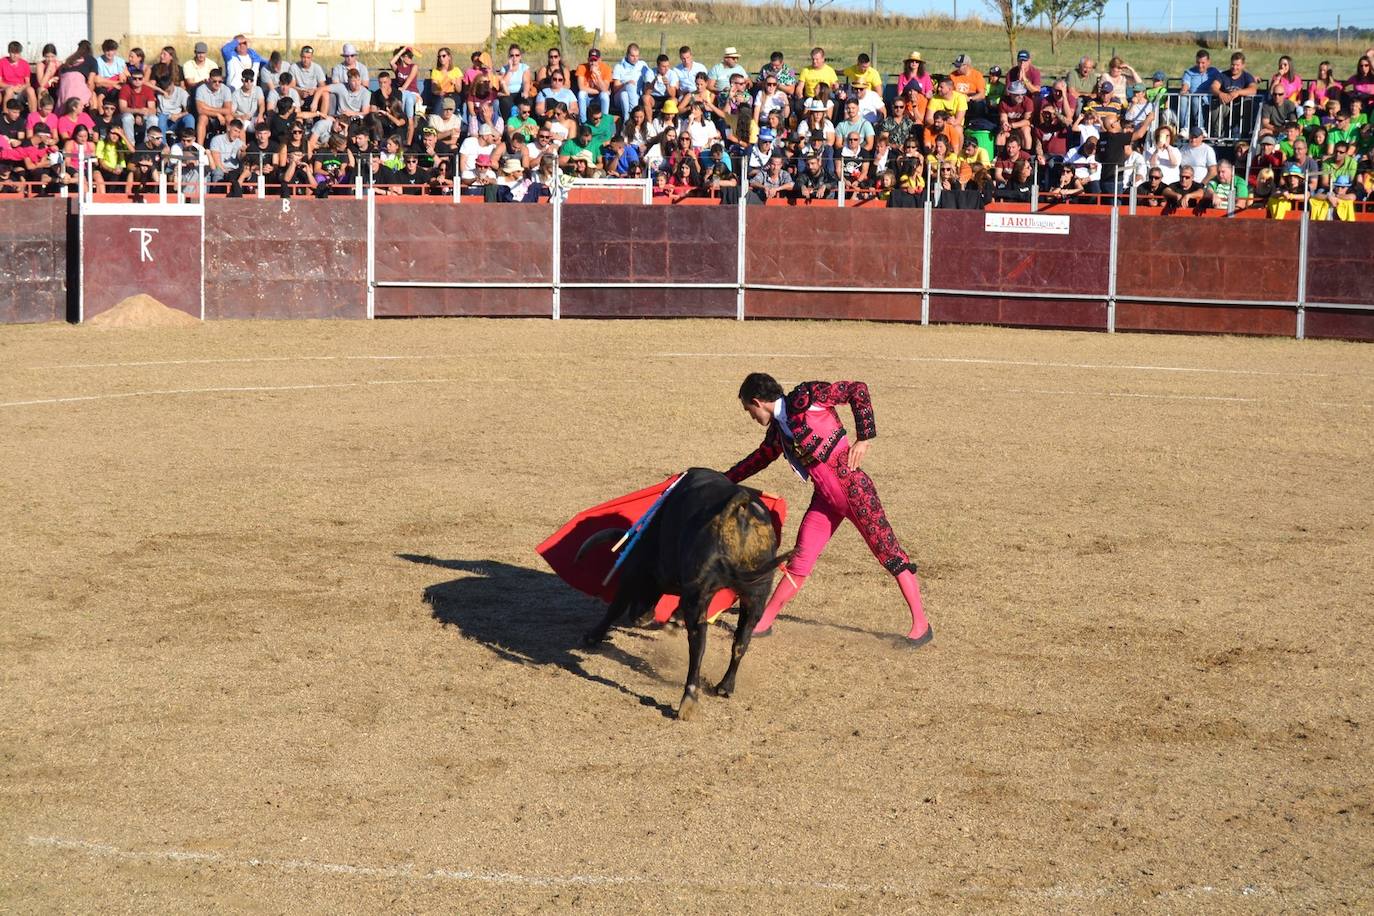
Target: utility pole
column 1338, row 33
column 956, row 10
column 1099, row 33
column 1233, row 27
column 1128, row 20
column 1216, row 29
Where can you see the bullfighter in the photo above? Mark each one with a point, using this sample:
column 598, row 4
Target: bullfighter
column 803, row 427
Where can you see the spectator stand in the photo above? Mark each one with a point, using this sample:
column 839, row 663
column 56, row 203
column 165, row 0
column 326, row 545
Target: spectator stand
column 153, row 248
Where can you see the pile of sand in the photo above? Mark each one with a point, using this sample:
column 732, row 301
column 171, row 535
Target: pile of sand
column 142, row 311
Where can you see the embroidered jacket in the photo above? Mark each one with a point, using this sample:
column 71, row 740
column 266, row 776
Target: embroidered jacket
column 815, row 432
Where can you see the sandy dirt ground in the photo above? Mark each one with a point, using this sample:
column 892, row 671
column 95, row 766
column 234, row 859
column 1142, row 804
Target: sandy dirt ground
column 274, row 637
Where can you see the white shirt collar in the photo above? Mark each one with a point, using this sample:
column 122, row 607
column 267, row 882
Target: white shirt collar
column 780, row 415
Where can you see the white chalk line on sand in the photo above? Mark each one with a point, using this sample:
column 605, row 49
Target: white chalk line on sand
column 242, row 359
column 979, row 361
column 236, row 389
column 411, row 872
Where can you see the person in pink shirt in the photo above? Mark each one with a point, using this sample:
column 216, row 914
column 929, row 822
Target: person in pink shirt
column 914, row 73
column 1361, row 83
column 1324, row 85
column 16, row 76
column 46, row 114
column 1286, row 79
column 72, row 117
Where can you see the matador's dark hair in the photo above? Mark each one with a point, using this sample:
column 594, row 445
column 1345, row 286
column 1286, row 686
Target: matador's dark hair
column 760, row 386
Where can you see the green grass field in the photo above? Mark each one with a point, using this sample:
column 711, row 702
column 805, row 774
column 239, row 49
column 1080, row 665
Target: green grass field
column 987, row 45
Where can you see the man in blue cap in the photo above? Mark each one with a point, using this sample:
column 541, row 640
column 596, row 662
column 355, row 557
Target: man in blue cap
column 1026, row 72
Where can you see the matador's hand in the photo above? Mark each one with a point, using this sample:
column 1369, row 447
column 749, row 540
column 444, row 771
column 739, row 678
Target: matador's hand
column 856, row 454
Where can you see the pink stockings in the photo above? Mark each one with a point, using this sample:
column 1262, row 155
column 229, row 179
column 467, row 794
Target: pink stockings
column 842, row 494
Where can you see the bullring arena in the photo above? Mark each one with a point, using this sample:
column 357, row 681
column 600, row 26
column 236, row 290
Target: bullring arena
column 276, row 637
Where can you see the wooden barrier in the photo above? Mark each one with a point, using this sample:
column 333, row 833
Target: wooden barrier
column 844, row 250
column 966, row 257
column 1233, row 277
column 351, row 258
column 34, row 255
column 465, row 245
column 639, row 261
column 266, row 260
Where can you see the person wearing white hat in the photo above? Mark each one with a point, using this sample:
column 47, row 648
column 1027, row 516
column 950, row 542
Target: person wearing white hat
column 339, row 75
column 914, row 72
column 718, row 77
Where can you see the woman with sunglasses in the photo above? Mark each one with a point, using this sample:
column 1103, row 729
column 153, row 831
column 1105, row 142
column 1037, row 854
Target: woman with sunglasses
column 770, row 97
column 516, row 80
column 1361, row 83
column 445, row 79
column 553, row 61
column 1324, row 85
column 914, row 74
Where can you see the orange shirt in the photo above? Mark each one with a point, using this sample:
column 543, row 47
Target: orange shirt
column 970, row 83
column 584, row 74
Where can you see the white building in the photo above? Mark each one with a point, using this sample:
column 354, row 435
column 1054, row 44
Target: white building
column 327, row 24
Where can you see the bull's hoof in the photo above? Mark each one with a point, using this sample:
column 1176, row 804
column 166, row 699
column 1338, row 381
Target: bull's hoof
column 687, row 709
column 722, row 691
column 592, row 640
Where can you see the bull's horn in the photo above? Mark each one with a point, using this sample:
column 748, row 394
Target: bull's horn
column 610, row 534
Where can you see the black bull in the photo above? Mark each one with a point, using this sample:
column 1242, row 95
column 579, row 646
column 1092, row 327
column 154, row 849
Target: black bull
column 709, row 534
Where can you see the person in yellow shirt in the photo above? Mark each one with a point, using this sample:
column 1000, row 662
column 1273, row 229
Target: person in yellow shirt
column 819, row 72
column 864, row 73
column 973, row 161
column 953, row 103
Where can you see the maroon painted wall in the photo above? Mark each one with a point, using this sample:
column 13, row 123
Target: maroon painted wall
column 308, row 262
column 964, row 256
column 622, row 243
column 1207, row 260
column 868, row 247
column 33, row 260
column 1340, row 268
column 125, row 255
column 443, row 242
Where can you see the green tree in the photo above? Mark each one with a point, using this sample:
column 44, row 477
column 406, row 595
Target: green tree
column 1062, row 16
column 1009, row 15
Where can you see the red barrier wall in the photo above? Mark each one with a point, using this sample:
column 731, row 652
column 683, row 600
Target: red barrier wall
column 867, row 247
column 307, row 262
column 1202, row 260
column 964, row 256
column 33, row 258
column 619, row 243
column 1340, row 268
column 124, row 255
column 507, row 244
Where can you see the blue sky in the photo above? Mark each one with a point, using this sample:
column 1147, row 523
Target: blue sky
column 1154, row 14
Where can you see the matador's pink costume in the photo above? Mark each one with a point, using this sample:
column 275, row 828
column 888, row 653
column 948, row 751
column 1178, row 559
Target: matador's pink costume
column 807, row 431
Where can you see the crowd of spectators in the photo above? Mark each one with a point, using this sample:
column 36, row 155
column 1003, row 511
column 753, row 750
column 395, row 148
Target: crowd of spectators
column 526, row 129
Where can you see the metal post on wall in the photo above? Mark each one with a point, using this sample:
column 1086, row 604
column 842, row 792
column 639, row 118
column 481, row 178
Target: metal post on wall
column 557, row 236
column 1111, row 266
column 371, row 252
column 925, row 260
column 1302, row 274
column 1035, row 187
column 739, row 258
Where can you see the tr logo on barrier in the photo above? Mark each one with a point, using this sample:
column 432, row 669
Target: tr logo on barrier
column 145, row 238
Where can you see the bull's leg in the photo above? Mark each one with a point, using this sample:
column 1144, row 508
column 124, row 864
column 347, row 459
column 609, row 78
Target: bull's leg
column 693, row 610
column 750, row 609
column 597, row 634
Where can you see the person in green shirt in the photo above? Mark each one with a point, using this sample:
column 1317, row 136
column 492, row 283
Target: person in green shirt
column 1340, row 163
column 583, row 142
column 522, row 121
column 1292, row 133
column 1227, row 187
column 603, row 129
column 1342, row 133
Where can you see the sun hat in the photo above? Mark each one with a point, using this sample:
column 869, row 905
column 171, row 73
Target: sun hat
column 731, row 52
column 915, row 55
column 349, row 51
column 668, row 107
column 1342, row 181
column 815, row 105
column 1017, row 88
column 511, row 166
column 765, row 135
